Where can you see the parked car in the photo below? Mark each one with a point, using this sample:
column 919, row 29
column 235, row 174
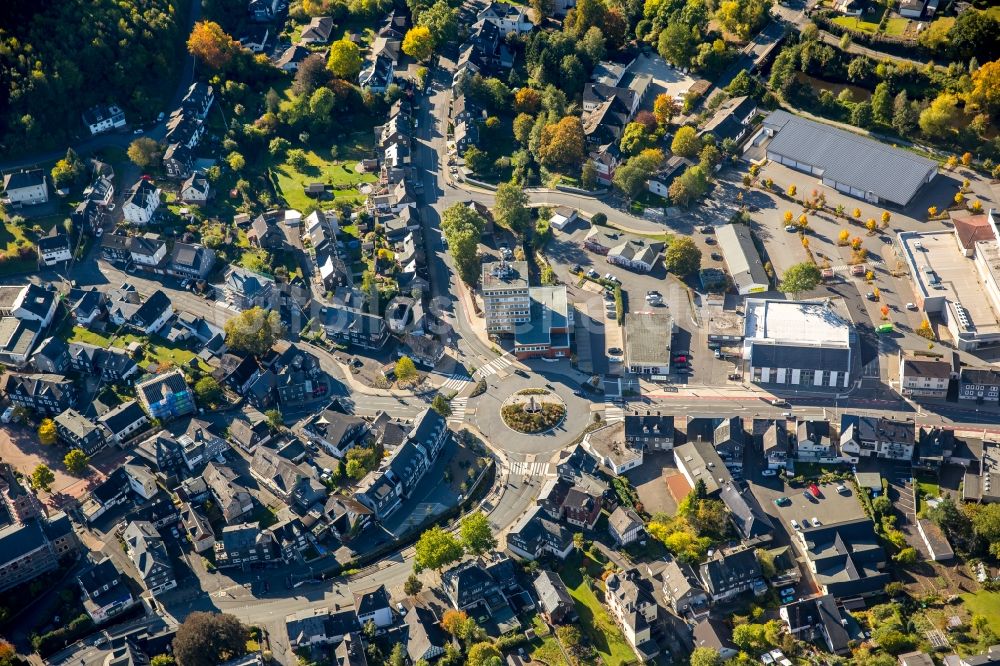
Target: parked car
column 614, row 350
column 769, row 472
column 791, row 227
column 778, row 402
column 707, row 229
column 782, row 501
column 716, row 256
column 710, row 241
column 593, row 274
column 911, row 306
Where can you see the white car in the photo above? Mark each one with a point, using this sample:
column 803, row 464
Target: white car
column 911, row 306
column 795, row 524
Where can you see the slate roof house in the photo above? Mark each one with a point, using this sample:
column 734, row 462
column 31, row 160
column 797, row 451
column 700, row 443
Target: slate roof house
column 245, row 289
column 554, row 599
column 725, row 575
column 682, row 590
column 481, row 586
column 28, row 550
column 190, row 260
column 78, row 432
column 26, row 187
column 231, row 497
column 537, row 534
column 149, row 555
column 817, row 618
column 845, row 559
column 374, row 606
column 731, row 120
column 424, row 637
column 44, row 393
column 166, row 396
column 334, row 430
column 633, row 605
column 244, row 545
column 753, row 525
column 625, row 526
column 104, row 590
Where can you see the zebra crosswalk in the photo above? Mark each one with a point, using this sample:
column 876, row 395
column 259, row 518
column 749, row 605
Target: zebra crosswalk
column 493, row 367
column 455, row 383
column 458, row 406
column 613, row 413
column 532, row 468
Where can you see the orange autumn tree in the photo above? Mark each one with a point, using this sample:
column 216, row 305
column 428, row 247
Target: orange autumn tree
column 212, row 45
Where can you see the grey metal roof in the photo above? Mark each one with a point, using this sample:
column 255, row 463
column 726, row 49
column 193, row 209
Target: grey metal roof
column 868, row 165
column 742, row 258
column 803, row 358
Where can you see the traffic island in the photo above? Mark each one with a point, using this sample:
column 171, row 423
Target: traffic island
column 533, row 411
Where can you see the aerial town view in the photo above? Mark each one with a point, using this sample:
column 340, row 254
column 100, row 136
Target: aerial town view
column 481, row 333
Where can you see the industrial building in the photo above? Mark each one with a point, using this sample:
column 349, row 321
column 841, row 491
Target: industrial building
column 848, row 162
column 956, row 276
column 742, row 259
column 799, row 343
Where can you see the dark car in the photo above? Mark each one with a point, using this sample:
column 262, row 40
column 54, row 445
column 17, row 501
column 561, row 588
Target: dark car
column 707, row 230
column 710, row 241
column 577, row 269
column 716, row 256
column 614, row 350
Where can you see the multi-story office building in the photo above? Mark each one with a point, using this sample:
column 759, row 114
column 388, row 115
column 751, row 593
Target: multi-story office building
column 505, row 296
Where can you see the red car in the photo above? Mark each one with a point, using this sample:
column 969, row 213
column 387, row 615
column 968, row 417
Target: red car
column 814, row 489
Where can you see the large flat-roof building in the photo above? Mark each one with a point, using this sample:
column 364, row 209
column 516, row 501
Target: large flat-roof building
column 505, row 295
column 956, row 275
column 848, row 162
column 742, row 259
column 647, row 342
column 799, row 343
column 550, row 321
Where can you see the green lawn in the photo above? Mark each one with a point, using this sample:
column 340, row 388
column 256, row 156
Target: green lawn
column 984, row 603
column 546, row 650
column 160, row 351
column 323, row 168
column 895, row 27
column 929, row 487
column 856, row 23
column 596, row 623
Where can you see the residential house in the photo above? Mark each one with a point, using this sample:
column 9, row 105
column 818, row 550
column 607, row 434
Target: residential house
column 777, row 445
column 732, row 120
column 197, row 528
column 29, row 303
column 346, row 517
column 318, row 31
column 554, row 600
column 265, row 231
column 54, row 247
column 33, row 548
column 140, row 479
column 724, row 575
column 125, row 308
column 608, row 446
column 291, row 540
column 245, row 289
column 507, row 17
column 248, row 436
column 111, row 492
column 817, row 618
column 812, row 442
column 199, row 445
column 726, row 435
column 320, row 626
column 351, row 325
column 536, row 535
column 630, row 599
column 178, row 161
column 46, row 394
column 935, row 447
column 923, row 377
column 682, row 589
column 625, row 526
column 78, row 432
column 425, row 640
column 160, row 512
column 86, row 305
column 746, row 514
column 195, row 189
column 562, row 217
column 981, row 385
column 104, row 590
column 844, row 559
column 103, row 118
column 123, row 422
column 112, row 364
column 21, row 503
column 231, row 497
column 190, row 260
column 197, row 101
column 373, row 606
column 51, row 356
column 334, row 430
column 26, row 187
column 605, row 159
column 245, row 545
column 480, row 585
column 141, row 202
column 877, row 436
column 166, row 396
column 292, row 57
column 716, row 635
column 149, row 556
column 579, row 508
column 659, row 183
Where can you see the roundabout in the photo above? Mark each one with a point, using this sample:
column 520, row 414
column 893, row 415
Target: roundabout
column 533, row 411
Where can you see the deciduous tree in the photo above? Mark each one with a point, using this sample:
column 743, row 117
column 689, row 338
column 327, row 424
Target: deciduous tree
column 800, row 277
column 76, row 461
column 484, row 654
column 143, row 151
column 419, row 43
column 47, row 432
column 682, row 256
column 442, row 21
column 412, row 586
column 664, row 109
column 462, row 228
column 206, row 639
column 405, row 369
column 344, row 59
column 441, row 405
column 937, row 120
column 435, row 550
column 212, row 45
column 42, row 477
column 562, row 144
column 254, row 330
column 510, row 208
column 207, row 390
column 686, row 142
column 477, row 535
column 985, row 93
